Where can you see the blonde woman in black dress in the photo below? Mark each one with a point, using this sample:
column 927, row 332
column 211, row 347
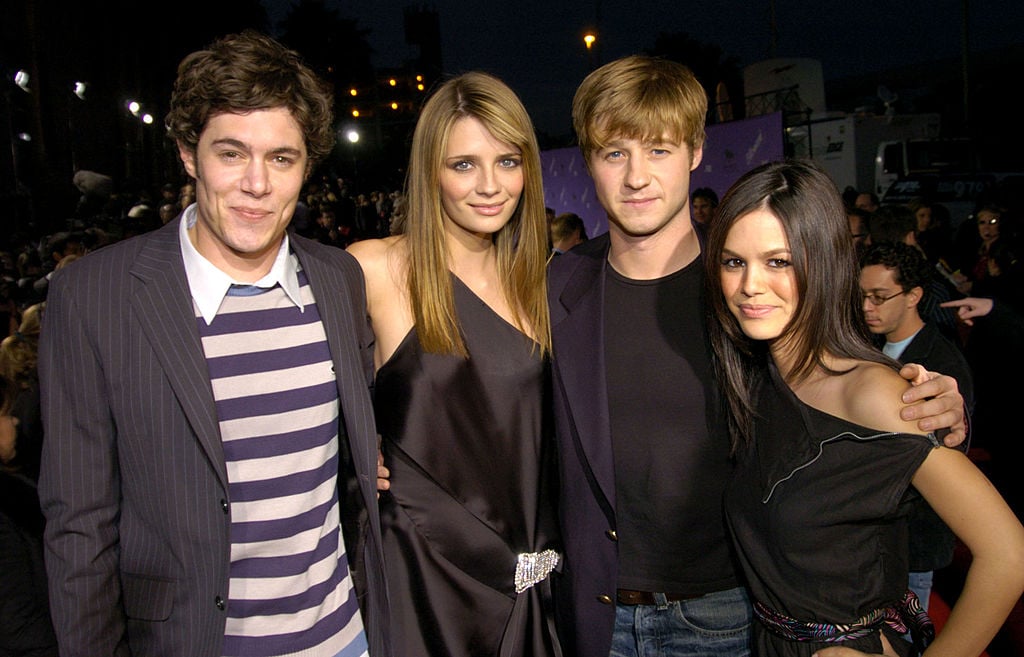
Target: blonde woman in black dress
column 459, row 310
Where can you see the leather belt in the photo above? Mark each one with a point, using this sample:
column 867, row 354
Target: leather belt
column 630, row 597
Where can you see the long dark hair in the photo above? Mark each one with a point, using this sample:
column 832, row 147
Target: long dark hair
column 829, row 317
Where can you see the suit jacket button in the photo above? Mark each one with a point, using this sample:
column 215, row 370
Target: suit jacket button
column 604, row 599
column 611, row 534
column 219, row 601
column 224, row 506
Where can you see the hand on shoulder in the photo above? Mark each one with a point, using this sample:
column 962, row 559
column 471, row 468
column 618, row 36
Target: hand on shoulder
column 875, row 398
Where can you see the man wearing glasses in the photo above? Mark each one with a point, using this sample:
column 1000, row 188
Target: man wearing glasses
column 893, row 279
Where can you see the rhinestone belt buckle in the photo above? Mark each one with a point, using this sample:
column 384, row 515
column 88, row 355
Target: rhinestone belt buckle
column 533, row 567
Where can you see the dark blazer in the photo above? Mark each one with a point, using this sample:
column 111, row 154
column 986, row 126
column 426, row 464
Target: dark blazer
column 938, row 354
column 134, row 485
column 931, row 541
column 585, row 591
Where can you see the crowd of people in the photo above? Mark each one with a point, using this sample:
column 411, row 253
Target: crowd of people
column 978, row 259
column 441, row 439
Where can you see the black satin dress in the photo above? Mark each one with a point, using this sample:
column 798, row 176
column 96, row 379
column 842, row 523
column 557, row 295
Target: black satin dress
column 469, row 446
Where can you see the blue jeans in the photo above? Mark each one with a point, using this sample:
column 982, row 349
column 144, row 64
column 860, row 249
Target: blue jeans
column 709, row 626
column 921, row 584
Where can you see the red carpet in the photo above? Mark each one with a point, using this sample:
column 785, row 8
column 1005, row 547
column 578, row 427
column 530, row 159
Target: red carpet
column 1009, row 642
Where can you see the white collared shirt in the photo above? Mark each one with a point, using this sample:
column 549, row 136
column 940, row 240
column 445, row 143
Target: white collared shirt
column 209, row 285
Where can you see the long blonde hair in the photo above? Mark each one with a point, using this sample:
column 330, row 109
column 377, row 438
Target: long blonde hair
column 521, row 244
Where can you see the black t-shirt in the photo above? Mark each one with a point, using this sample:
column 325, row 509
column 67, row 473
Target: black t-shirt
column 669, row 436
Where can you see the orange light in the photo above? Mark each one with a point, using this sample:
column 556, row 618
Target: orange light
column 589, row 39
column 355, row 113
column 392, row 82
column 394, row 106
column 419, row 78
column 353, row 91
column 420, row 87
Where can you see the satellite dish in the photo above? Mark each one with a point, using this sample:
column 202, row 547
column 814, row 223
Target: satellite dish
column 888, row 98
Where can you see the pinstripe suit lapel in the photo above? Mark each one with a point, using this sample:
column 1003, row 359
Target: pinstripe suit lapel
column 162, row 304
column 332, row 291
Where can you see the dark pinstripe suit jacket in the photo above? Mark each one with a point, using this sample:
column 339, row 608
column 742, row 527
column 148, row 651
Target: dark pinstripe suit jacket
column 134, row 486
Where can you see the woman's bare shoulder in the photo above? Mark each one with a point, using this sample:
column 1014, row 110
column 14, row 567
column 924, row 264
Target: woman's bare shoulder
column 874, row 394
column 375, row 252
column 383, row 260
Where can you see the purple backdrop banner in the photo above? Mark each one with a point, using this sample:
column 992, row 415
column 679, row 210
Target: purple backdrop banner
column 731, row 150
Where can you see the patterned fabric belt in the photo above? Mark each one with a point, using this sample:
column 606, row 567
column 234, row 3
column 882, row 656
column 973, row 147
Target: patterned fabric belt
column 906, row 615
column 534, row 567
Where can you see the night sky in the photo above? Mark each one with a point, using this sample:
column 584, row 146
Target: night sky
column 124, row 48
column 536, row 45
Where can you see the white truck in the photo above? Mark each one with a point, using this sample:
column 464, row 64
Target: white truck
column 944, row 171
column 853, row 148
column 857, row 149
column 896, row 156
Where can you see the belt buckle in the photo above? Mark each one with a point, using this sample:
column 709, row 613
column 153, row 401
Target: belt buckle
column 631, row 597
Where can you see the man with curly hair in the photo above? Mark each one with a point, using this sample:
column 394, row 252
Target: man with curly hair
column 210, row 455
